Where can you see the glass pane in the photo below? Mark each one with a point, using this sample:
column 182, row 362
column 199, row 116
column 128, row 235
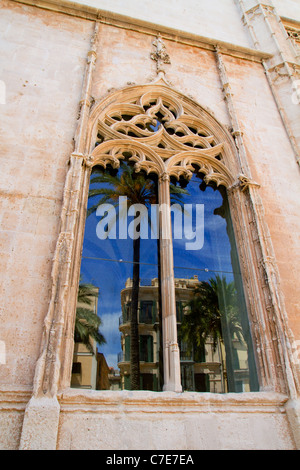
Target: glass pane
column 214, row 338
column 121, row 270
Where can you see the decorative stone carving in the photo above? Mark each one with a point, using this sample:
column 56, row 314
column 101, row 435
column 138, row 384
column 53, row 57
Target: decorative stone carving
column 89, row 160
column 160, row 55
column 294, row 35
column 260, row 9
column 160, row 135
column 158, row 121
column 269, row 10
column 285, row 69
column 245, row 182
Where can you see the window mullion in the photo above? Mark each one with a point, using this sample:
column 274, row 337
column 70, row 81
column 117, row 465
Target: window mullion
column 172, row 379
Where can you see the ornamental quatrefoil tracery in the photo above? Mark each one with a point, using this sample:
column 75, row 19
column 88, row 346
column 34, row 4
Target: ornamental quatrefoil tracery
column 161, row 134
column 155, row 121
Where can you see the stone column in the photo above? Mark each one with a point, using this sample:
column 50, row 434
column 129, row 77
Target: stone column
column 41, row 420
column 172, row 381
column 283, row 68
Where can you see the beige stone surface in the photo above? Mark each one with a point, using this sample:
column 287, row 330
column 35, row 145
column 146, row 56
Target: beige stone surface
column 273, row 166
column 185, row 421
column 199, row 17
column 13, row 401
column 43, row 58
column 288, row 8
column 44, row 413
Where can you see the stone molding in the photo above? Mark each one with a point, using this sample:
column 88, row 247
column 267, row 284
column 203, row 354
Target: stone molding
column 144, row 27
column 14, row 399
column 189, row 402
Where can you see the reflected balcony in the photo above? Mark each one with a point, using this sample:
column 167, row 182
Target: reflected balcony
column 146, row 319
column 186, row 356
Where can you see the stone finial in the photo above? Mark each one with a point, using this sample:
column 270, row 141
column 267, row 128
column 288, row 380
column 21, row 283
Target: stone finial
column 160, row 55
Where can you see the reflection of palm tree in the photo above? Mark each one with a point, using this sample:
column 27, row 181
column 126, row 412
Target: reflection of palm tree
column 139, row 190
column 87, row 322
column 213, row 312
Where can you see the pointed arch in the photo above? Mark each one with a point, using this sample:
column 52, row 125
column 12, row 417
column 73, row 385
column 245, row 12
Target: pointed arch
column 164, row 131
column 217, row 158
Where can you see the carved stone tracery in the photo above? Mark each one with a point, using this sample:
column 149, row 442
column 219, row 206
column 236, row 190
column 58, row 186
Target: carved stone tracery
column 294, row 35
column 159, row 134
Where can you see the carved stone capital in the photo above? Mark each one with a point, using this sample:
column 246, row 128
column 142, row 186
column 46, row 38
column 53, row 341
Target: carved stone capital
column 237, row 133
column 92, row 57
column 88, row 160
column 243, row 182
column 246, row 182
column 164, row 176
column 227, row 90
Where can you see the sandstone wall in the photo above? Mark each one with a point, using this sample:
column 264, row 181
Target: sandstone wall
column 43, row 57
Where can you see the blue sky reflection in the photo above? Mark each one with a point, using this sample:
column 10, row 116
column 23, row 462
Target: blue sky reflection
column 107, row 264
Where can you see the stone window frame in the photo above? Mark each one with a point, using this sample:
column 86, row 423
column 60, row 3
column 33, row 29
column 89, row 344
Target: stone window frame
column 267, row 317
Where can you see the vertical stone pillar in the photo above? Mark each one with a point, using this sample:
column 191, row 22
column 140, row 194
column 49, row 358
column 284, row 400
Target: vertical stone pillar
column 172, row 381
column 41, row 420
column 40, row 424
column 282, row 69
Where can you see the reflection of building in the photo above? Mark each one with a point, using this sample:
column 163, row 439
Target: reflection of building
column 107, row 377
column 201, row 370
column 149, row 335
column 90, row 369
column 84, row 370
column 85, row 364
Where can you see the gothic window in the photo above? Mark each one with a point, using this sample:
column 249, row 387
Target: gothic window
column 159, row 248
column 196, row 280
column 211, row 318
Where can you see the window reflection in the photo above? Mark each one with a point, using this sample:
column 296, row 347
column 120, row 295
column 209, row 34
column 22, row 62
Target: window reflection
column 149, row 334
column 123, row 300
column 126, row 277
column 216, row 353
